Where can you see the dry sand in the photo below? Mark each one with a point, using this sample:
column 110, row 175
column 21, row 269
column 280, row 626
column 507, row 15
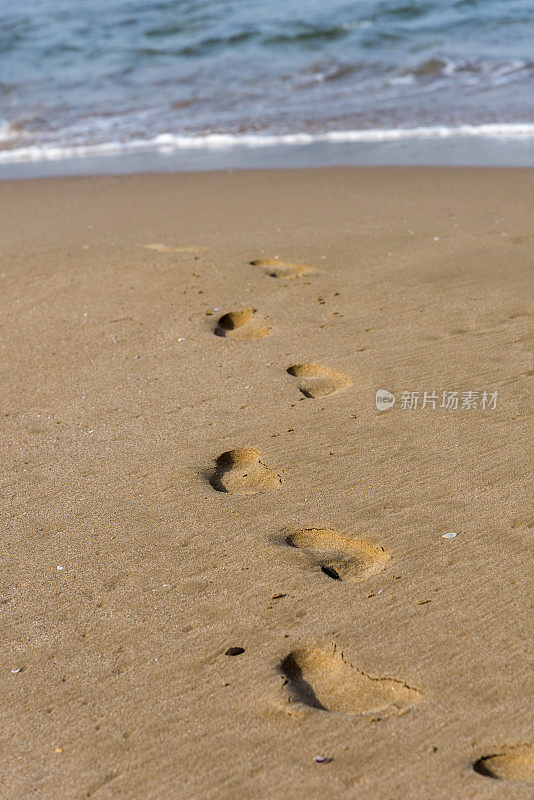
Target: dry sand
column 193, row 461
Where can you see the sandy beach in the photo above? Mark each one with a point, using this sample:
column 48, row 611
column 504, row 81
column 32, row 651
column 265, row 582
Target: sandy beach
column 225, row 572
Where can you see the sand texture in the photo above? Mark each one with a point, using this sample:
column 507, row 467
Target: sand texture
column 224, row 571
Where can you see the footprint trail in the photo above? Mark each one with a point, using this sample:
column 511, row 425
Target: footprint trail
column 513, row 764
column 281, row 269
column 242, row 471
column 240, row 325
column 322, row 678
column 337, row 556
column 317, row 381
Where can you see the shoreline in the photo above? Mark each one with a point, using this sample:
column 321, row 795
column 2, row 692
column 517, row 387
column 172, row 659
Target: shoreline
column 206, row 514
column 306, row 152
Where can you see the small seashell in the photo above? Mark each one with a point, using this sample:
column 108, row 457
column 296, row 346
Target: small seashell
column 323, row 759
column 450, row 535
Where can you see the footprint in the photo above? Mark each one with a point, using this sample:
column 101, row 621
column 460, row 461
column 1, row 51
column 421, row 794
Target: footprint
column 321, row 678
column 338, row 557
column 513, row 764
column 242, row 471
column 240, row 325
column 281, row 269
column 317, row 381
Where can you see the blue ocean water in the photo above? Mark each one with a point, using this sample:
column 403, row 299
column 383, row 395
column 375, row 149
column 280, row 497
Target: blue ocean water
column 96, row 77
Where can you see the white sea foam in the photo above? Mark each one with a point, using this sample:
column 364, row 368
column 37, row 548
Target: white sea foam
column 169, row 143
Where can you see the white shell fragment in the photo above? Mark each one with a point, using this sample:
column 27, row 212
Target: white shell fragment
column 450, row 535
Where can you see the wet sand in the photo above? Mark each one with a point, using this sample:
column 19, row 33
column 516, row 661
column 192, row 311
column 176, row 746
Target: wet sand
column 224, row 570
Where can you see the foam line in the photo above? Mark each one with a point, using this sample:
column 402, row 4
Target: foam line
column 168, row 142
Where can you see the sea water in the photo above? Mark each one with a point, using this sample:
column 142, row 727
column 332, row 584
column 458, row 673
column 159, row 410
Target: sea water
column 95, row 85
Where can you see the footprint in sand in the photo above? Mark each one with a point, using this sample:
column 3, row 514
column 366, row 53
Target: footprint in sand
column 338, row 557
column 281, row 269
column 242, row 471
column 322, row 678
column 317, row 381
column 240, row 325
column 512, row 764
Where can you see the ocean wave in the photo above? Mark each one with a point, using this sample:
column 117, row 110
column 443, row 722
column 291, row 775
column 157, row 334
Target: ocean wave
column 481, row 69
column 309, row 34
column 168, row 142
column 96, row 77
